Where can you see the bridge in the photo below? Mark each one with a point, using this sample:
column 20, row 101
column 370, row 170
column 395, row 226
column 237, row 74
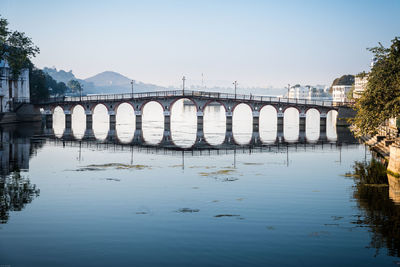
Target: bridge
column 200, row 100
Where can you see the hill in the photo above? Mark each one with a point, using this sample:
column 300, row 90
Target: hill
column 109, row 78
column 344, row 80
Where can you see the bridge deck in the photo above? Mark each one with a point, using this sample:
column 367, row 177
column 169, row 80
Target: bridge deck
column 191, row 94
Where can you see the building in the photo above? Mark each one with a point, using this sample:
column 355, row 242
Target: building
column 298, row 92
column 360, row 84
column 339, row 93
column 309, row 92
column 12, row 91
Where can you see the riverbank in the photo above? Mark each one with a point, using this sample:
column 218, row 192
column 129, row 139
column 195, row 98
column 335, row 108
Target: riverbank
column 24, row 113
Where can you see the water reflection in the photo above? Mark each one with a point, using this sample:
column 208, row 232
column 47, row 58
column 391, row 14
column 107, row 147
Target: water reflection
column 15, row 188
column 379, row 210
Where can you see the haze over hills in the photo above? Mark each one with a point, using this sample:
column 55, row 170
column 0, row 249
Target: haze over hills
column 110, row 82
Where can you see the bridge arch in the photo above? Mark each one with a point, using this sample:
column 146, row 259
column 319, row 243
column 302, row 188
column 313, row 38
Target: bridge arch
column 268, row 123
column 78, row 121
column 214, row 101
column 141, row 106
column 183, row 98
column 284, row 109
column 214, row 123
column 117, row 105
column 152, row 122
column 291, row 121
column 242, row 123
column 240, row 103
column 312, row 127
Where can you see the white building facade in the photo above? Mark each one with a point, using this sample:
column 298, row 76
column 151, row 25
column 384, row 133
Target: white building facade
column 11, row 91
column 339, row 93
column 309, row 92
column 360, row 84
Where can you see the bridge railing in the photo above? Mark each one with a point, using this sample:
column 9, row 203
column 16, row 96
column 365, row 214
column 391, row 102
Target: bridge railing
column 190, row 93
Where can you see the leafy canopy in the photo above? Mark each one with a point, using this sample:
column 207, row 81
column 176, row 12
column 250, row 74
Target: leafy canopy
column 381, row 99
column 16, row 48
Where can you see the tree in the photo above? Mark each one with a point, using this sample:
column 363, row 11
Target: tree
column 75, row 86
column 381, row 99
column 16, row 48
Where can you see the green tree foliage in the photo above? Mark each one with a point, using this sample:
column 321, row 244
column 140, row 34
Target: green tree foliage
column 381, row 99
column 75, row 86
column 16, row 48
column 347, row 79
column 43, row 85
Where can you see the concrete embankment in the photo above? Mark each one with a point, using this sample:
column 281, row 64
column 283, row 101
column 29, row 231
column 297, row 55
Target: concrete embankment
column 25, row 113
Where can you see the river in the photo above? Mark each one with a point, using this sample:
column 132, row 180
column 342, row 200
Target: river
column 109, row 201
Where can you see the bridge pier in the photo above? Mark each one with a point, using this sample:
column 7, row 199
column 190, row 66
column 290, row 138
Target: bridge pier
column 89, row 134
column 49, row 120
column 68, row 119
column 302, row 136
column 200, row 121
column 167, row 121
column 322, row 123
column 229, row 121
column 89, row 120
column 256, row 121
column 111, row 113
column 138, row 121
column 229, row 138
column 302, row 122
column 280, row 122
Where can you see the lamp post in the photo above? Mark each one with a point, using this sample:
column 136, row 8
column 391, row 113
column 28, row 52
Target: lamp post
column 235, row 84
column 132, row 87
column 183, row 85
column 288, row 89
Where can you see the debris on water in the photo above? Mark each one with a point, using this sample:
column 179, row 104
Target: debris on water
column 270, row 227
column 101, row 167
column 113, row 179
column 215, row 201
column 202, row 167
column 252, row 163
column 315, row 191
column 195, row 187
column 176, row 166
column 230, row 179
column 217, row 173
column 141, row 212
column 337, row 218
column 226, row 215
column 239, row 199
column 187, row 210
column 331, row 224
column 318, row 234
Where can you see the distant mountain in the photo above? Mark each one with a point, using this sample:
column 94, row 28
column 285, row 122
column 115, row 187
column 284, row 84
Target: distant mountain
column 109, row 78
column 61, row 75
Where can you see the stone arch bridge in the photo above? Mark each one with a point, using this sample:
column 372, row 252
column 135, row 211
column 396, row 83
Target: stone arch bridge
column 199, row 99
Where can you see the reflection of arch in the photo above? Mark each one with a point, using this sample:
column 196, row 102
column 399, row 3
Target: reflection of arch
column 177, row 99
column 141, row 107
column 239, row 103
column 124, row 102
column 214, row 101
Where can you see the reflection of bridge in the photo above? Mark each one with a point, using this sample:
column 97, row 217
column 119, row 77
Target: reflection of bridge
column 201, row 100
column 200, row 144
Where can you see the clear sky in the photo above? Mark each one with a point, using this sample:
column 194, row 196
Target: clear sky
column 258, row 43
